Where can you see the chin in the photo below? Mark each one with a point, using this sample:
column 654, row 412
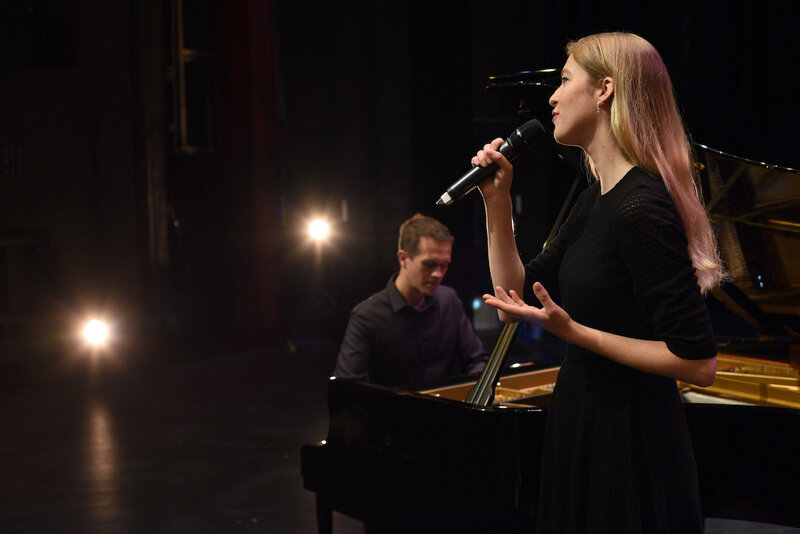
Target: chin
column 561, row 139
column 429, row 290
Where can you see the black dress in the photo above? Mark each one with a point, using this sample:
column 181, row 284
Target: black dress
column 617, row 455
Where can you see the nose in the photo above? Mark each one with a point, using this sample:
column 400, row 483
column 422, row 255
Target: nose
column 553, row 98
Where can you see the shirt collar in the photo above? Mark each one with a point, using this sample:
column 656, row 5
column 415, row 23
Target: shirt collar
column 397, row 300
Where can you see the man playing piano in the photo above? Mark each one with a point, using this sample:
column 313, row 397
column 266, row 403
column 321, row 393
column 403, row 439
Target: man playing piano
column 414, row 331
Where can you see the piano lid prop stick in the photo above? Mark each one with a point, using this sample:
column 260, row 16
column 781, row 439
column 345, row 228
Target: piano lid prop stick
column 482, row 393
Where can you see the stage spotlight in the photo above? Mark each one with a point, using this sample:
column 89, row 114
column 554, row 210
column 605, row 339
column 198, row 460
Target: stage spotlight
column 95, row 332
column 319, row 229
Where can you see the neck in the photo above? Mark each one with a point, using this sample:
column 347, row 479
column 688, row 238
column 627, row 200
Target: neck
column 611, row 165
column 412, row 297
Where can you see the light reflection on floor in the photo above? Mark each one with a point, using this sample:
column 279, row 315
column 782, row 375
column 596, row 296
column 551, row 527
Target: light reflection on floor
column 101, row 461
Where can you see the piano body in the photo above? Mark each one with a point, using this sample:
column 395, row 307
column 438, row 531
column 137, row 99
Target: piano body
column 427, row 461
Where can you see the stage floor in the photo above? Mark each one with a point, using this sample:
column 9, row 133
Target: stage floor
column 208, row 447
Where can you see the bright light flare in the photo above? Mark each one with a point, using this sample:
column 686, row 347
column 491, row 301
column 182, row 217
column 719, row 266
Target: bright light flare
column 95, row 332
column 319, row 229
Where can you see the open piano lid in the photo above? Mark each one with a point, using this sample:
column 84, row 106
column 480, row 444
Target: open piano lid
column 755, row 208
column 528, row 91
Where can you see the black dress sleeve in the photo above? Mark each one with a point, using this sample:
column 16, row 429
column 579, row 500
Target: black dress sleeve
column 653, row 243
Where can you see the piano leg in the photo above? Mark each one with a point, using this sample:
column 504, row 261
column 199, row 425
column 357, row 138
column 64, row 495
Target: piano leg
column 324, row 516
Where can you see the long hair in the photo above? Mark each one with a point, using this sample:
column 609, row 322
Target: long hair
column 649, row 131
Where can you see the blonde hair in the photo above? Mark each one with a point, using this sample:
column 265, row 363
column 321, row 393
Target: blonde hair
column 649, row 131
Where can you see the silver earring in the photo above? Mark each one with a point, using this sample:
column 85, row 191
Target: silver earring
column 598, row 105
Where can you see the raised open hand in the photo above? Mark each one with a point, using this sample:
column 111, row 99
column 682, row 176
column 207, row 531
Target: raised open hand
column 550, row 316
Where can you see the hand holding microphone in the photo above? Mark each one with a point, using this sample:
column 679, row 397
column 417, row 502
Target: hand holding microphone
column 520, row 140
column 499, row 182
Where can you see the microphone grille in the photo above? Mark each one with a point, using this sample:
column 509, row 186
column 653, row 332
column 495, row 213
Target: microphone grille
column 530, row 131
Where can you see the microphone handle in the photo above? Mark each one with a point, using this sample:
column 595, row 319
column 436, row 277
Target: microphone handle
column 464, row 185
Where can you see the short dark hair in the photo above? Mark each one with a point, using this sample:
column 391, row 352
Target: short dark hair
column 421, row 226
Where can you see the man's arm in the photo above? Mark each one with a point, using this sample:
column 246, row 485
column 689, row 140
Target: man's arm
column 471, row 352
column 355, row 351
column 474, row 350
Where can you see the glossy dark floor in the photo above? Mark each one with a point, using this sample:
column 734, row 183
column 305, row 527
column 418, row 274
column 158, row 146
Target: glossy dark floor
column 192, row 448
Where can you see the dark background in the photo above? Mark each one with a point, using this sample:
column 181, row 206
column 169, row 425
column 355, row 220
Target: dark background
column 162, row 158
column 160, row 162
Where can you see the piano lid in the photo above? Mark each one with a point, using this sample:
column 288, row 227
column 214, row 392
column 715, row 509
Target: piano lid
column 755, row 208
column 528, row 92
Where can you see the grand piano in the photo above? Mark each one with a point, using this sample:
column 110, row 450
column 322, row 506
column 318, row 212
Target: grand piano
column 464, row 456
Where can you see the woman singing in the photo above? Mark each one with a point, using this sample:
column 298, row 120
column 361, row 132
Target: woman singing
column 622, row 284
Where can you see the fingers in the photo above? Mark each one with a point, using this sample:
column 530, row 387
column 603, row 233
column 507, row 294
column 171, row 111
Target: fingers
column 513, row 297
column 500, row 299
column 494, row 302
column 488, row 155
column 491, row 300
column 481, row 158
column 509, row 311
column 504, row 301
column 541, row 293
column 550, row 316
column 505, row 297
column 516, row 298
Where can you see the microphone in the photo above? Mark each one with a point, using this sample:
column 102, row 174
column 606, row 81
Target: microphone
column 520, row 140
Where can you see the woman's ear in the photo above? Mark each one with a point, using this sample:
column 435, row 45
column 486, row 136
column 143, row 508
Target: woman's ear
column 606, row 89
